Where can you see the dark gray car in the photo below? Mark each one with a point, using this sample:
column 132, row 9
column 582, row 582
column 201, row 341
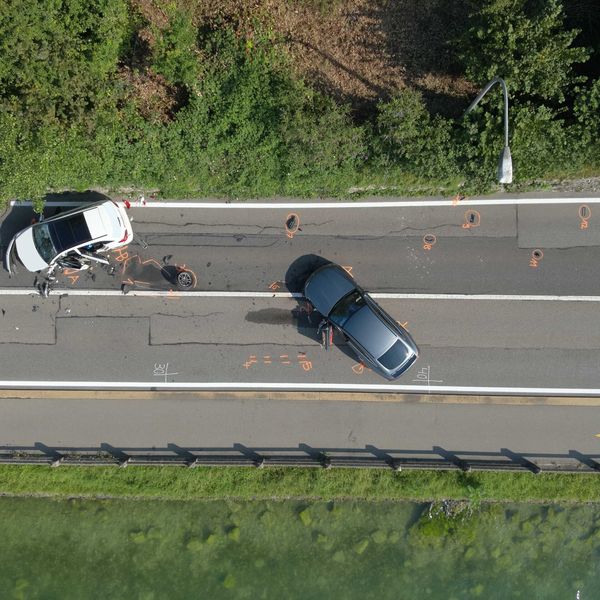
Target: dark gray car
column 376, row 338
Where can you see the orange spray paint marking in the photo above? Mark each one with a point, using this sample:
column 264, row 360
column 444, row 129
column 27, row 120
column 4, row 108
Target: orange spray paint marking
column 121, row 254
column 292, row 223
column 472, row 219
column 585, row 212
column 348, row 270
column 275, row 285
column 429, row 240
column 173, row 295
column 402, row 324
column 285, row 359
column 536, row 257
column 70, row 273
column 304, row 362
column 456, row 199
column 251, row 361
column 359, row 368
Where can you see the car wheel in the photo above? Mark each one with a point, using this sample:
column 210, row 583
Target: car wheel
column 185, row 280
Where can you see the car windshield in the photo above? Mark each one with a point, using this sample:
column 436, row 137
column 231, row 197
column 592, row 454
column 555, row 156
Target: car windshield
column 346, row 307
column 43, row 242
column 395, row 356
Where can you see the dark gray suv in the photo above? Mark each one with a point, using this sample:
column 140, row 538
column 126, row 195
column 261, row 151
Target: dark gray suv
column 375, row 337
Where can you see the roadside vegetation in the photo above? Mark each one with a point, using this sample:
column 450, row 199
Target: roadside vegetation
column 247, row 98
column 174, row 483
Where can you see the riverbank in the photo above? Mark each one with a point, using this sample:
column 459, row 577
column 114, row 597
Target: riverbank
column 172, row 483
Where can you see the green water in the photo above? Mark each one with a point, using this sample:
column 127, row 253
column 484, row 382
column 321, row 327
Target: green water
column 286, row 550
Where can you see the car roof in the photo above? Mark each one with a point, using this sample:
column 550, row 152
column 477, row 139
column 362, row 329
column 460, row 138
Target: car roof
column 78, row 226
column 69, row 232
column 95, row 223
column 367, row 328
column 327, row 286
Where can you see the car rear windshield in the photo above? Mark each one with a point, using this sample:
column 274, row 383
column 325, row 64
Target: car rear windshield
column 69, row 233
column 346, row 307
column 395, row 356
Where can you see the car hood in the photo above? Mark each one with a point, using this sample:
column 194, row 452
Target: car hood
column 326, row 286
column 27, row 252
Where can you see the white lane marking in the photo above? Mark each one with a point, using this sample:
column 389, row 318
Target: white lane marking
column 150, row 293
column 229, row 294
column 376, row 295
column 356, row 204
column 228, row 385
column 497, row 297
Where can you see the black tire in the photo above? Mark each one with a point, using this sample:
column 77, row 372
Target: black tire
column 185, row 280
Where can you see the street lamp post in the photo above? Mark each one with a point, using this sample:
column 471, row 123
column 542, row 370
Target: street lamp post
column 505, row 171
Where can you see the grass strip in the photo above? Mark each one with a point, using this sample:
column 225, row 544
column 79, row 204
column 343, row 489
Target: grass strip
column 247, row 483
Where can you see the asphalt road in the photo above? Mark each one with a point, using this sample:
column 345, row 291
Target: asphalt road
column 478, row 248
column 548, row 434
column 79, row 337
column 244, row 249
column 126, row 340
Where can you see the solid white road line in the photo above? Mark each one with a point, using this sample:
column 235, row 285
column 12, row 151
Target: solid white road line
column 376, row 295
column 198, row 386
column 356, row 204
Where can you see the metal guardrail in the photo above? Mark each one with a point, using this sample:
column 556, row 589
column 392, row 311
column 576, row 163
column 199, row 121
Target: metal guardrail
column 303, row 455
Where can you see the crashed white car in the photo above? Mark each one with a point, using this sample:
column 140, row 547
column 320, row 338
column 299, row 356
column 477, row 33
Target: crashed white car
column 73, row 237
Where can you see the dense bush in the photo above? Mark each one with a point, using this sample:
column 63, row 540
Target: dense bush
column 81, row 83
column 56, row 58
column 587, row 114
column 525, row 42
column 175, row 54
column 408, row 135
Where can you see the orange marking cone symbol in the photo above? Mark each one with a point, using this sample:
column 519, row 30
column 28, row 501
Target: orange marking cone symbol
column 585, row 212
column 292, row 224
column 536, row 257
column 429, row 241
column 472, row 219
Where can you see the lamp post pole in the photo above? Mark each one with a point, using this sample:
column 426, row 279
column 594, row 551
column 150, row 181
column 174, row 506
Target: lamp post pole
column 505, row 173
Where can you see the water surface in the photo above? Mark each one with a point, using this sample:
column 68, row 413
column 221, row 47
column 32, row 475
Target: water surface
column 150, row 550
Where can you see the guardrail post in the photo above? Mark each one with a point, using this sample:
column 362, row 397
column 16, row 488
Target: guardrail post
column 586, row 460
column 451, row 457
column 56, row 458
column 191, row 460
column 520, row 460
column 122, row 459
column 257, row 460
column 385, row 457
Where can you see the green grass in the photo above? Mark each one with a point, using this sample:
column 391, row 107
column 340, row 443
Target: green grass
column 247, row 483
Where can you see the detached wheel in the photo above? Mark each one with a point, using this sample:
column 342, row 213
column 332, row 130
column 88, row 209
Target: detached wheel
column 185, row 280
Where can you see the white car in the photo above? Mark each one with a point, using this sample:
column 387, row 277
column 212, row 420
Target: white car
column 71, row 237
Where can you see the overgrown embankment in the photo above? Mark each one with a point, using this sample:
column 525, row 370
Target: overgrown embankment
column 209, row 98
